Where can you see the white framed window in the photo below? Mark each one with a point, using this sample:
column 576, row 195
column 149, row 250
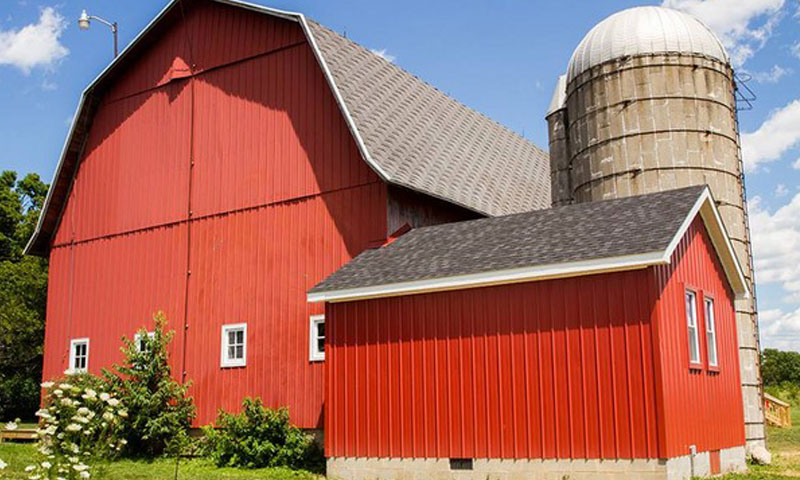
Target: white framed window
column 138, row 340
column 316, row 338
column 234, row 345
column 79, row 355
column 691, row 323
column 711, row 331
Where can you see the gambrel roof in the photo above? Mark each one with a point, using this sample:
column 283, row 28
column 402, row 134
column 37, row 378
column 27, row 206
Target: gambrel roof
column 410, row 133
column 580, row 239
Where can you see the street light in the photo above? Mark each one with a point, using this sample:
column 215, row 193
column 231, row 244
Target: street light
column 85, row 20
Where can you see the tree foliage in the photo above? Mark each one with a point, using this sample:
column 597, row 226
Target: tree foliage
column 778, row 367
column 261, row 437
column 23, row 296
column 159, row 408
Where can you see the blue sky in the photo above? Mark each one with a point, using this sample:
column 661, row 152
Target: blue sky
column 500, row 57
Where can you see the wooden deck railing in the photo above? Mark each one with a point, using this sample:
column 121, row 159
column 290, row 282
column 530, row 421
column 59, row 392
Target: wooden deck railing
column 777, row 412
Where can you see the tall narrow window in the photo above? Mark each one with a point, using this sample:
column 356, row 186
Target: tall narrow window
column 234, row 345
column 691, row 322
column 711, row 332
column 317, row 338
column 79, row 355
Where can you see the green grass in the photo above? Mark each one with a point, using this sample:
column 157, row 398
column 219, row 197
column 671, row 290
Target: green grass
column 784, row 443
column 20, row 455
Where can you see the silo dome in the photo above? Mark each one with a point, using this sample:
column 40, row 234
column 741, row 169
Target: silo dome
column 644, row 30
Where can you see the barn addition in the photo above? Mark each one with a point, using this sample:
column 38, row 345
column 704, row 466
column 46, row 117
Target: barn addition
column 590, row 341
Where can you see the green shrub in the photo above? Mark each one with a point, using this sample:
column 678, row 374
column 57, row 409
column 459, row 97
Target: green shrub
column 160, row 412
column 80, row 423
column 261, row 437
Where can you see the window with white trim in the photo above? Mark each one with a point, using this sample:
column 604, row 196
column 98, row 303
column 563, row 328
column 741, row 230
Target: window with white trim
column 79, row 355
column 139, row 340
column 234, row 345
column 711, row 332
column 316, row 340
column 691, row 323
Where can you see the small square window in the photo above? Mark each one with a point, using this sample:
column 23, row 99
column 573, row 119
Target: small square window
column 139, row 340
column 711, row 332
column 234, row 345
column 316, row 341
column 79, row 355
column 691, row 323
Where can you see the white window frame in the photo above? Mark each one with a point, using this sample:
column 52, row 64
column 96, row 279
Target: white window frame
column 224, row 361
column 711, row 331
column 72, row 357
column 692, row 325
column 314, row 354
column 137, row 339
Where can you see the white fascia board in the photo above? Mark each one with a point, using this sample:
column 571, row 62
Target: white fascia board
column 497, row 277
column 708, row 211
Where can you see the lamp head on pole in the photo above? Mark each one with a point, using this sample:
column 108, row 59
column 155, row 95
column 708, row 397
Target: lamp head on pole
column 83, row 21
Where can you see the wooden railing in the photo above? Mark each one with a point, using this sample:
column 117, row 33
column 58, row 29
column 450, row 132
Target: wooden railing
column 777, row 412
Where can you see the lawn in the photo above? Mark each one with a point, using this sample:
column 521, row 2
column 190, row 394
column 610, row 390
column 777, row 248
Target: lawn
column 19, row 455
column 783, row 443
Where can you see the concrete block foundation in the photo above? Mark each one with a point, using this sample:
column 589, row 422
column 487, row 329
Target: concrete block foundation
column 678, row 468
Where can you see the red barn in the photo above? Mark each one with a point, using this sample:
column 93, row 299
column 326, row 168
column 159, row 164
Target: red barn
column 228, row 160
column 595, row 340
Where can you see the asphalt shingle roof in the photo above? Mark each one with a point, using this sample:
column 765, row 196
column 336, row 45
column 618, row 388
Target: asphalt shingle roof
column 429, row 142
column 586, row 231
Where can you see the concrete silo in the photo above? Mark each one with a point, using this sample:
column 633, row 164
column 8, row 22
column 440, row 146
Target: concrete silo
column 648, row 104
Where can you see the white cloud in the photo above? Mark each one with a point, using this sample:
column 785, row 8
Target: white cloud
column 780, row 329
column 781, row 190
column 779, row 133
column 776, row 245
column 796, row 49
column 744, row 26
column 49, row 86
column 36, row 44
column 384, row 54
column 796, row 164
column 771, row 76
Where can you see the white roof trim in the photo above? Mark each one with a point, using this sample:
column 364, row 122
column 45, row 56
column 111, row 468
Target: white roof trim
column 704, row 206
column 293, row 16
column 497, row 277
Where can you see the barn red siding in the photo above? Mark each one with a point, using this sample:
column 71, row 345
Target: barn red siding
column 552, row 369
column 245, row 175
column 700, row 407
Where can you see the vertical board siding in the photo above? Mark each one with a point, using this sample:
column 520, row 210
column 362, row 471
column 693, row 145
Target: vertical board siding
column 701, row 407
column 110, row 288
column 552, row 369
column 280, row 199
column 255, row 267
column 282, row 135
column 204, row 34
column 137, row 153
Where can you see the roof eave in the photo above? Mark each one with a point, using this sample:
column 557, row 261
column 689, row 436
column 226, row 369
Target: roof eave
column 496, row 277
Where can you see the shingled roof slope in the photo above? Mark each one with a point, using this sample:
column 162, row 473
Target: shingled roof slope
column 410, row 133
column 429, row 142
column 580, row 232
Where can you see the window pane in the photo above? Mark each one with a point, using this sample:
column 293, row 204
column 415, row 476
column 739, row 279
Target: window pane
column 711, row 332
column 321, row 345
column 240, row 352
column 231, row 337
column 231, row 352
column 321, row 329
column 691, row 323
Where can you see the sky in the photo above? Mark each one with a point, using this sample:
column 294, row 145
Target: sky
column 500, row 57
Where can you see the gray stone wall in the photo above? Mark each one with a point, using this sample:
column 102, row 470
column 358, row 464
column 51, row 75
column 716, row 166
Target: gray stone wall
column 657, row 122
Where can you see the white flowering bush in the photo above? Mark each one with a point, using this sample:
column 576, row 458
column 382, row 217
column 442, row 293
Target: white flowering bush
column 79, row 425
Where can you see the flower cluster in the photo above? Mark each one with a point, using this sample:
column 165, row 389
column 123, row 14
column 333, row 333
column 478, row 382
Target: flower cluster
column 77, row 425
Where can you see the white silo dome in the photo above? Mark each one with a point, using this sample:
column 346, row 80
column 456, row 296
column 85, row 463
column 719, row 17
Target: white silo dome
column 644, row 30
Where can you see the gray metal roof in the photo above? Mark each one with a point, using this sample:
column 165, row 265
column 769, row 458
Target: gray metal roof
column 410, row 133
column 573, row 233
